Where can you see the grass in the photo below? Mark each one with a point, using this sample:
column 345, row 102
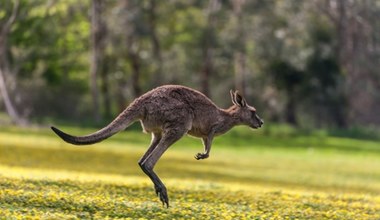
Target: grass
column 263, row 174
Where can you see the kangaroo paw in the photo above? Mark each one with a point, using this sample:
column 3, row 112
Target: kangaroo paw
column 162, row 194
column 200, row 156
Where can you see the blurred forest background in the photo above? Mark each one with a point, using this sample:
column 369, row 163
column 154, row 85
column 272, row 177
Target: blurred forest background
column 312, row 64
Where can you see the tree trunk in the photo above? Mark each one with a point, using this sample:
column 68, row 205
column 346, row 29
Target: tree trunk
column 239, row 53
column 240, row 69
column 12, row 112
column 5, row 67
column 350, row 50
column 206, row 71
column 207, row 67
column 105, row 90
column 290, row 111
column 157, row 78
column 97, row 54
column 135, row 63
column 133, row 46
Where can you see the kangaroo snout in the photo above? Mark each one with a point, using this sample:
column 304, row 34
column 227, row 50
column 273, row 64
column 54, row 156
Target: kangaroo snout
column 258, row 123
column 261, row 122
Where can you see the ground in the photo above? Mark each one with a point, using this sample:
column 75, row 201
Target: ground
column 249, row 175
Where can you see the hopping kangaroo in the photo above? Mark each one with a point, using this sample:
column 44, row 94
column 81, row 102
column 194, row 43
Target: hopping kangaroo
column 168, row 113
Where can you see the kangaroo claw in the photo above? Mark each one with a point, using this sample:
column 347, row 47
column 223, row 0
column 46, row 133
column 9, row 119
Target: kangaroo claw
column 200, row 156
column 163, row 195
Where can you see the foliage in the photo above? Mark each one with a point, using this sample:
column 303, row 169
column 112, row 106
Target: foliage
column 276, row 176
column 67, row 199
column 304, row 63
column 47, row 55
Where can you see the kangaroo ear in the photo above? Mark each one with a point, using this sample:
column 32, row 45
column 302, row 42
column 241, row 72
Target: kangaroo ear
column 232, row 93
column 240, row 101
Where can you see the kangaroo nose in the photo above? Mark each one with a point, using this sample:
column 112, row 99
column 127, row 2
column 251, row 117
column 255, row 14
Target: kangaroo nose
column 261, row 121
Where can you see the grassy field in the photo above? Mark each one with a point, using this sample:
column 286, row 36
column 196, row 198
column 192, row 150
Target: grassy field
column 265, row 174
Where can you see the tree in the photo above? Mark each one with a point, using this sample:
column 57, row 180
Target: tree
column 323, row 66
column 288, row 79
column 5, row 28
column 97, row 54
column 324, row 78
column 207, row 44
column 156, row 46
column 357, row 34
column 134, row 28
column 239, row 55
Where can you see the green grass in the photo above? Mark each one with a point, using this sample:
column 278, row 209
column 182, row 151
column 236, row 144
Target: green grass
column 263, row 174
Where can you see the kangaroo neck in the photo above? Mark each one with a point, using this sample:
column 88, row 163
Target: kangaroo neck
column 227, row 120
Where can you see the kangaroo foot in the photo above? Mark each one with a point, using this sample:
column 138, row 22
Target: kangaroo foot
column 162, row 194
column 200, row 156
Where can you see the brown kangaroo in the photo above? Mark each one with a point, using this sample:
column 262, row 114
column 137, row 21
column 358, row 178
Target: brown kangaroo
column 169, row 112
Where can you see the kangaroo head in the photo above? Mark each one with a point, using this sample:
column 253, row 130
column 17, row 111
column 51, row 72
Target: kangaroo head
column 245, row 112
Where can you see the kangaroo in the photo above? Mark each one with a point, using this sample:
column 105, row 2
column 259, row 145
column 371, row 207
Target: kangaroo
column 168, row 113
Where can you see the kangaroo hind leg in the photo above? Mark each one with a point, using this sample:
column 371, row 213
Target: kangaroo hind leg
column 156, row 137
column 150, row 158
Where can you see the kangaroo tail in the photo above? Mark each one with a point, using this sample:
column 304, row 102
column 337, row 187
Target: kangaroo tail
column 127, row 117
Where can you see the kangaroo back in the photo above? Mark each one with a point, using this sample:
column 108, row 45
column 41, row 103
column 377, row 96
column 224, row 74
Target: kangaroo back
column 122, row 121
